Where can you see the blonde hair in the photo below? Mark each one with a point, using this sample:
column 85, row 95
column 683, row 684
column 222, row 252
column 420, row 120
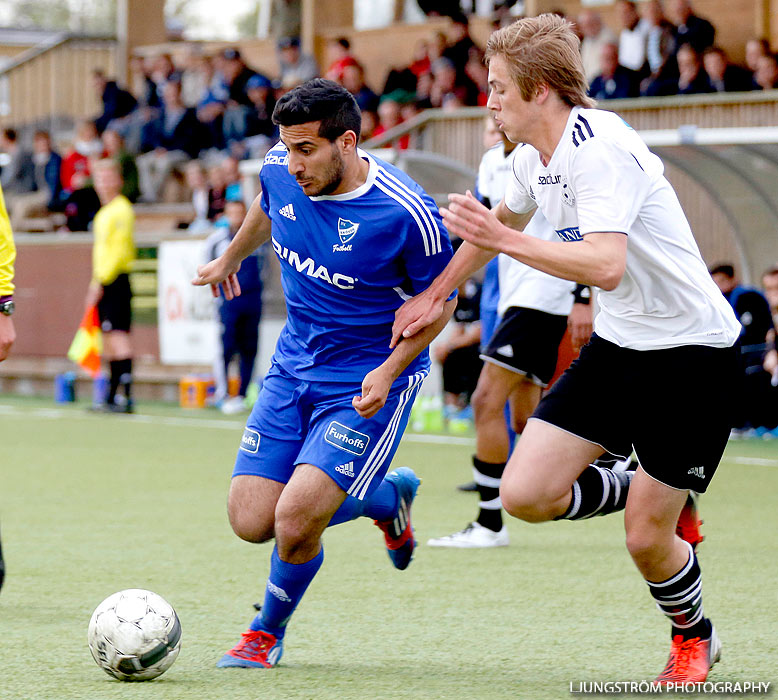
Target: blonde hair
column 543, row 50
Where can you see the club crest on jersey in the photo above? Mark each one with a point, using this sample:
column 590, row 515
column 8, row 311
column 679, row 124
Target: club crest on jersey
column 567, row 194
column 346, row 230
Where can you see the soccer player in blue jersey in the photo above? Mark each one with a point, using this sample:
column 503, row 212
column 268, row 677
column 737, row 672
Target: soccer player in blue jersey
column 355, row 238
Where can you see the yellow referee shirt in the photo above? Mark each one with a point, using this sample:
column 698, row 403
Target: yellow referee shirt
column 7, row 252
column 114, row 248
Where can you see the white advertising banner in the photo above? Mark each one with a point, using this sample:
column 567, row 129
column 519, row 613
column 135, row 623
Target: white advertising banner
column 188, row 329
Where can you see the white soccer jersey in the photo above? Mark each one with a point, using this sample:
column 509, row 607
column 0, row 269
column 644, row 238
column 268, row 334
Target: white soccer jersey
column 520, row 284
column 601, row 178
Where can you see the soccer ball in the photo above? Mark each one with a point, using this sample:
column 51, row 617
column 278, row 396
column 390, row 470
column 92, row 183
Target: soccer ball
column 134, row 635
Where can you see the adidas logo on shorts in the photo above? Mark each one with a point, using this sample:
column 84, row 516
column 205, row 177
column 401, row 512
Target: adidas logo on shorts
column 288, row 212
column 346, row 469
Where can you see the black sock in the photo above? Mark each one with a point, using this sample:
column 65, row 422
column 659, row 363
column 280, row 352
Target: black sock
column 125, row 376
column 116, row 374
column 487, row 476
column 598, row 492
column 680, row 598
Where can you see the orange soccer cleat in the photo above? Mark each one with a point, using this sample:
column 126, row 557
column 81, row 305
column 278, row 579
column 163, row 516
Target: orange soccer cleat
column 254, row 650
column 691, row 659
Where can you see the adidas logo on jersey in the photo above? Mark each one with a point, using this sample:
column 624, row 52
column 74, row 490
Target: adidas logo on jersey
column 288, row 212
column 699, row 472
column 346, row 469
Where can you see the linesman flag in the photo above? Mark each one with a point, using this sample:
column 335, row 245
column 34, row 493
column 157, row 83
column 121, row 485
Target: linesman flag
column 87, row 346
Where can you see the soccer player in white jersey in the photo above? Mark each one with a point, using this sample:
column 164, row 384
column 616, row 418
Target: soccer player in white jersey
column 519, row 358
column 355, row 237
column 662, row 323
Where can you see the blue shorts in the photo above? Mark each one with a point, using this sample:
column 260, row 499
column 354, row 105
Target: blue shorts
column 296, row 422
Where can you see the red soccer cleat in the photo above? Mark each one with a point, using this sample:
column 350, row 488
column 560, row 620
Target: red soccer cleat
column 691, row 659
column 254, row 650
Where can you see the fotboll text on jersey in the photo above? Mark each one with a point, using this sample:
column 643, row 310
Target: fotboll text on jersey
column 311, row 268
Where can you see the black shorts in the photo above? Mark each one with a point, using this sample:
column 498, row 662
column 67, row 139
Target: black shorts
column 115, row 307
column 527, row 341
column 673, row 406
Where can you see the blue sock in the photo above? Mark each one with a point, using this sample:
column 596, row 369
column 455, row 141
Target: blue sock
column 380, row 505
column 285, row 587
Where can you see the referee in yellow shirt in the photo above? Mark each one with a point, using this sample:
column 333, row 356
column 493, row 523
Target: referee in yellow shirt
column 7, row 333
column 7, row 257
column 112, row 256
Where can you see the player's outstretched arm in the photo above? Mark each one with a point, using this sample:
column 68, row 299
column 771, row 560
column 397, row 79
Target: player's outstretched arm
column 376, row 384
column 426, row 308
column 254, row 231
column 598, row 260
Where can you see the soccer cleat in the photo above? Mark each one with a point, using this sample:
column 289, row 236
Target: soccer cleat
column 254, row 650
column 691, row 659
column 688, row 527
column 398, row 531
column 474, row 536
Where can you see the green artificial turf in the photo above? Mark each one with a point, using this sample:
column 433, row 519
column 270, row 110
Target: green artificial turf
column 92, row 504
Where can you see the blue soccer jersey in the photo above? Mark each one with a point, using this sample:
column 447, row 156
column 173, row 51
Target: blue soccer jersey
column 348, row 262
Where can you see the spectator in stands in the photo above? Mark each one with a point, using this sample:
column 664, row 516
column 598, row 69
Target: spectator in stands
column 117, row 103
column 47, row 165
column 755, row 49
column 595, row 35
column 217, row 195
column 339, row 54
column 770, row 286
column 458, row 354
column 614, row 81
column 18, row 174
column 46, row 188
column 660, row 46
column 477, row 72
column 163, row 71
column 723, row 75
column 353, row 79
column 201, row 198
column 169, row 141
column 240, row 316
column 236, row 75
column 194, row 77
column 766, row 75
column 753, row 312
column 691, row 29
column 114, row 148
column 459, row 43
column 421, row 59
column 369, row 124
column 232, row 184
column 81, row 204
column 389, row 117
column 633, row 38
column 75, row 164
column 445, row 81
column 260, row 130
column 296, row 67
column 692, row 78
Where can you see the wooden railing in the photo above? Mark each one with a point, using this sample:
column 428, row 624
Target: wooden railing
column 458, row 134
column 53, row 80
